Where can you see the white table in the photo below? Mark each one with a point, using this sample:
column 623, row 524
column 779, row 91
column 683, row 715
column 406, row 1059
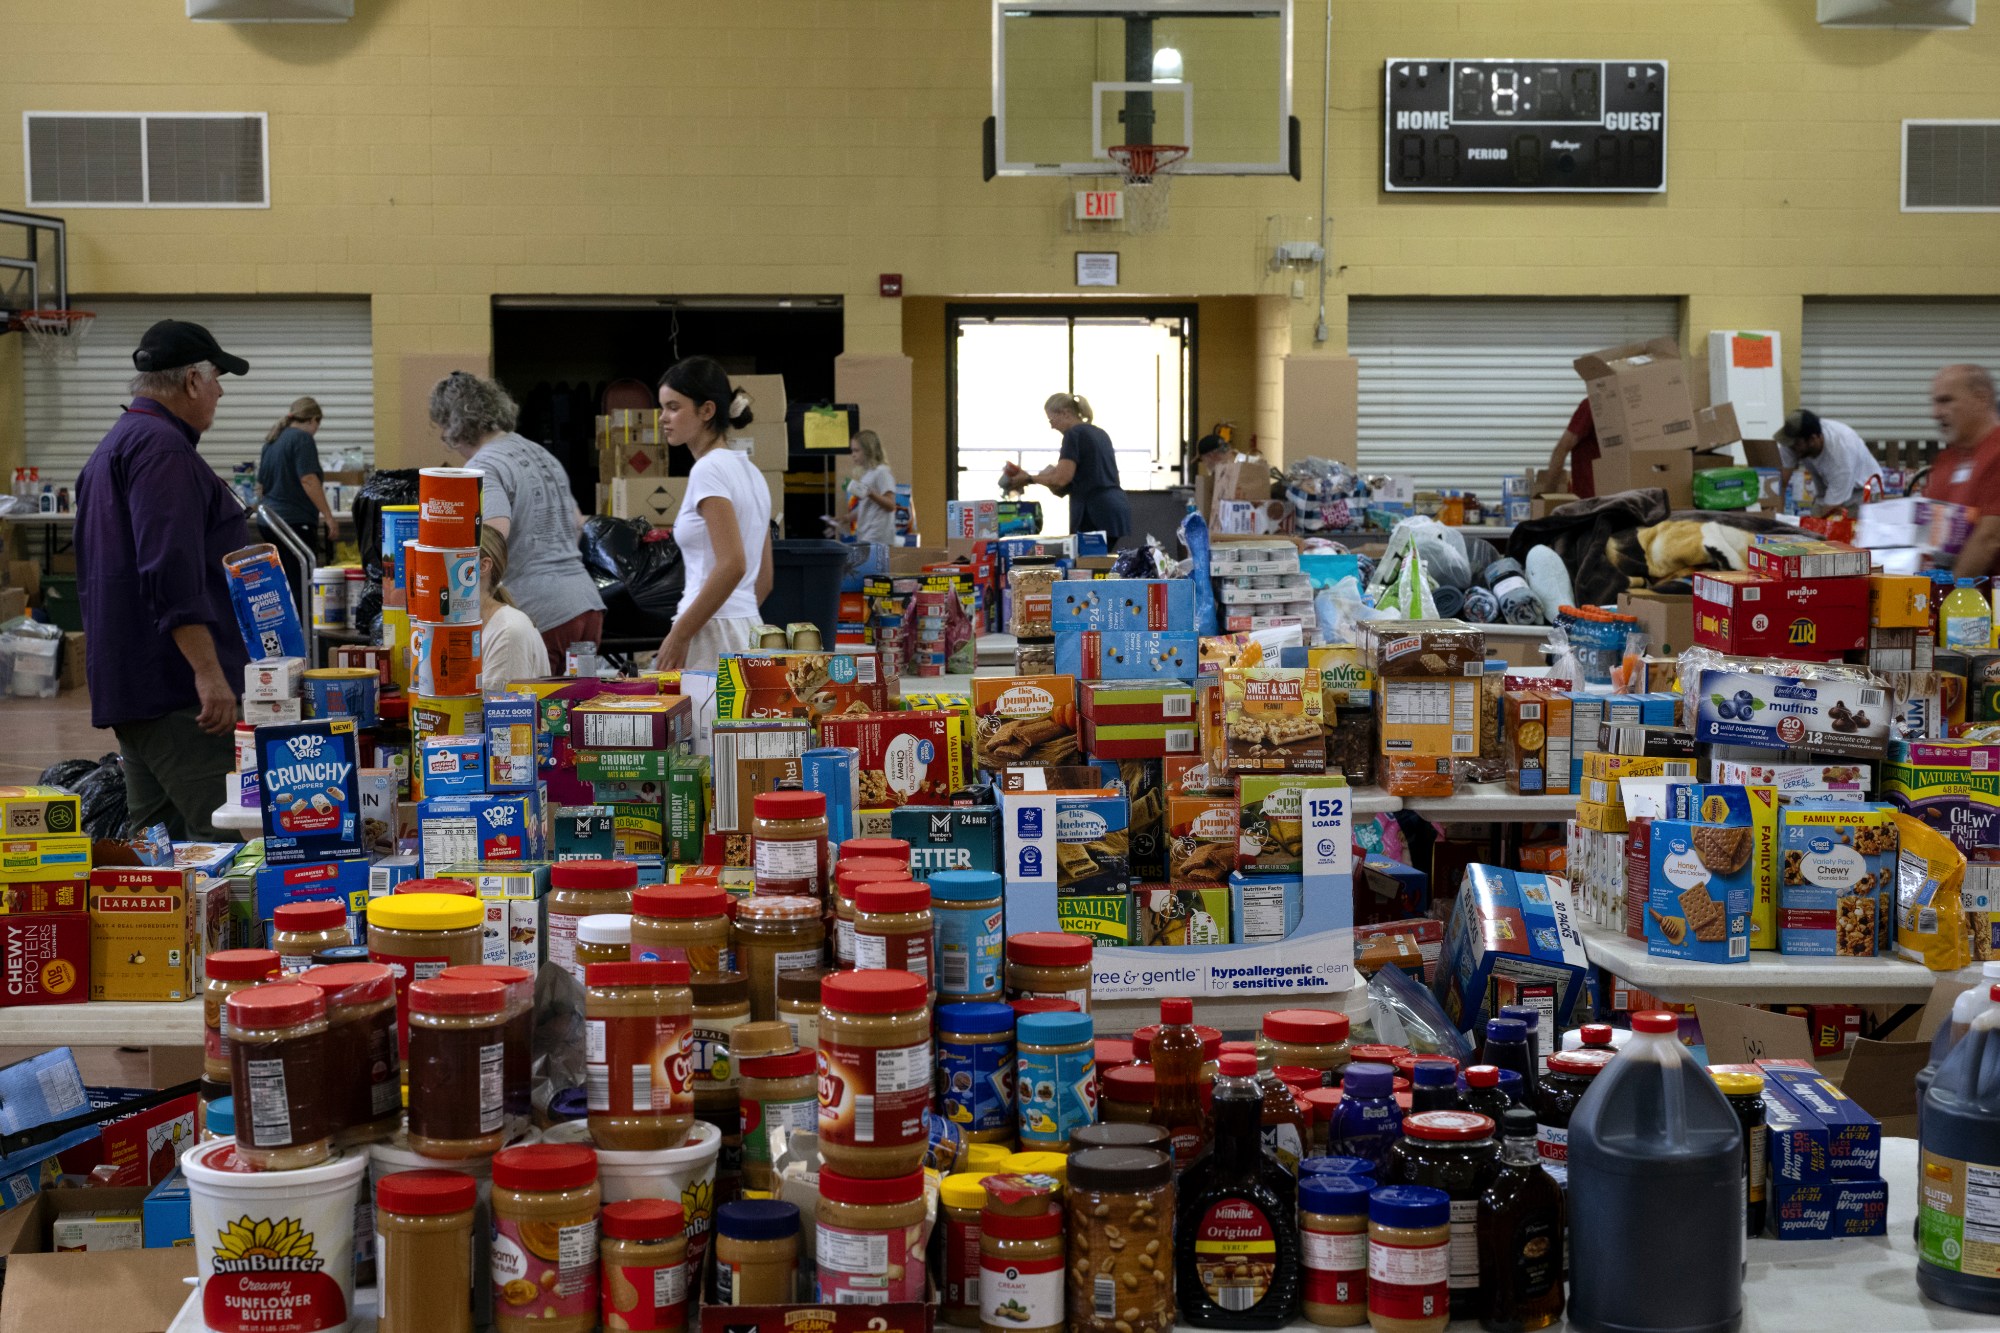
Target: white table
column 237, row 818
column 1767, row 978
column 1491, row 802
column 103, row 1023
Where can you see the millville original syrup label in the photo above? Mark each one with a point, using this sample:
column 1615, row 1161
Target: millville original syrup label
column 1236, row 1253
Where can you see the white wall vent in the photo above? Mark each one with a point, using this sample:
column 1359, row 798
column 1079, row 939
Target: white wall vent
column 1918, row 14
column 270, row 11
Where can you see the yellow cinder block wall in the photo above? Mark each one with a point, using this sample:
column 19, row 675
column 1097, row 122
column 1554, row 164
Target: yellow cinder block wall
column 434, row 153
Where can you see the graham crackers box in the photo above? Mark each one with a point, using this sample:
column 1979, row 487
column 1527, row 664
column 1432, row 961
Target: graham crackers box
column 1700, row 890
column 142, row 934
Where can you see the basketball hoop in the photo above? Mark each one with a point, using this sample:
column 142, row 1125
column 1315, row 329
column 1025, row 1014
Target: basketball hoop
column 57, row 334
column 1148, row 169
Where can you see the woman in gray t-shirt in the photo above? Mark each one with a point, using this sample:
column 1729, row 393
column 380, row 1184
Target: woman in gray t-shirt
column 526, row 498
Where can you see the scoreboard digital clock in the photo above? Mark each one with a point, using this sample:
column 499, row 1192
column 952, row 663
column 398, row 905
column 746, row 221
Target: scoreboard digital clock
column 1524, row 126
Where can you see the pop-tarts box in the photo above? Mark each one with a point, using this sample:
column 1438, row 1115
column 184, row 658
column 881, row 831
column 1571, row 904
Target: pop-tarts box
column 490, row 827
column 1127, row 655
column 1509, row 924
column 510, row 742
column 1825, row 1134
column 453, row 765
column 344, row 880
column 308, row 773
column 1122, row 604
column 1701, row 888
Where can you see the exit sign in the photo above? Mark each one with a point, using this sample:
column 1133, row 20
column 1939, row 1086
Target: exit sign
column 1100, row 205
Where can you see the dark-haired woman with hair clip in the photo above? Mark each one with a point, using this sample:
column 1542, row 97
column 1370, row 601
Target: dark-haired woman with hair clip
column 724, row 524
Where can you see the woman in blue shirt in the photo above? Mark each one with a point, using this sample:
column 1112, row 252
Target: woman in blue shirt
column 1086, row 470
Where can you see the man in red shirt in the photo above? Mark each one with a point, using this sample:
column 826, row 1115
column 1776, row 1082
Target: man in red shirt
column 1579, row 445
column 1967, row 470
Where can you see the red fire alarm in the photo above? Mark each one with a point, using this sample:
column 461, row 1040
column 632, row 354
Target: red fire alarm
column 892, row 284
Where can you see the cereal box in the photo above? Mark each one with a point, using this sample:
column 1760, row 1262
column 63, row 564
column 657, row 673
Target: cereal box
column 1509, row 924
column 493, row 827
column 1836, row 878
column 1093, row 842
column 1126, row 655
column 39, row 812
column 1271, row 720
column 1109, row 919
column 451, row 765
column 800, row 684
column 1269, row 827
column 44, row 959
column 143, row 940
column 346, row 881
column 1700, row 889
column 308, row 775
column 1177, row 916
column 1202, row 836
column 1024, row 721
column 903, row 758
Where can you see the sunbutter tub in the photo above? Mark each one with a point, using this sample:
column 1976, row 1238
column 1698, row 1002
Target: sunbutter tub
column 273, row 1249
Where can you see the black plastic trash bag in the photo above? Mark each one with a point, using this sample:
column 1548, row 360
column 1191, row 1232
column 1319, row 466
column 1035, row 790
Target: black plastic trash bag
column 103, row 797
column 638, row 572
column 392, row 486
column 66, row 773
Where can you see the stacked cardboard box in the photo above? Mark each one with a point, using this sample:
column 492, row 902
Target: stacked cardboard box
column 45, row 933
column 1649, row 433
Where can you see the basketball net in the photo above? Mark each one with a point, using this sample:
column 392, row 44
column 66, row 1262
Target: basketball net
column 1148, row 169
column 56, row 334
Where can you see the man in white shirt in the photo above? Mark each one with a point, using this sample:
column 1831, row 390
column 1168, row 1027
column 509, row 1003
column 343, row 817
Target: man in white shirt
column 1834, row 456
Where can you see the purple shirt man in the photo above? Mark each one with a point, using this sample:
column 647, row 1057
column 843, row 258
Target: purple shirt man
column 163, row 657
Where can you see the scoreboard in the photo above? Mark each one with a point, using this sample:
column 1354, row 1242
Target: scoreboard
column 1525, row 126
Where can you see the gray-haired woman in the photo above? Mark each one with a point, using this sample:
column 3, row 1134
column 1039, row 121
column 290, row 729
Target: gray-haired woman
column 526, row 498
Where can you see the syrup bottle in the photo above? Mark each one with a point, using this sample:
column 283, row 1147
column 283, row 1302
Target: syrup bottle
column 1236, row 1245
column 1284, row 1122
column 1176, row 1060
column 1520, row 1233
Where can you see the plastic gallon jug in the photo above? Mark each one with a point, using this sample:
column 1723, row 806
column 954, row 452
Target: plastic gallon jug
column 1958, row 1169
column 1656, row 1194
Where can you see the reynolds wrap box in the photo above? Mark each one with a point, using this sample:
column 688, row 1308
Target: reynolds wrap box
column 1508, row 924
column 1817, row 1132
column 1827, row 1209
column 308, row 775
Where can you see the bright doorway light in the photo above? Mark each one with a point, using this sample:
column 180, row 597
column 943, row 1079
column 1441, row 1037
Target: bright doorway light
column 1167, row 65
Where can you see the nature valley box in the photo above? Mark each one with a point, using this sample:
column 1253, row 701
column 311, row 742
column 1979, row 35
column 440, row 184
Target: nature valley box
column 142, row 934
column 1107, row 918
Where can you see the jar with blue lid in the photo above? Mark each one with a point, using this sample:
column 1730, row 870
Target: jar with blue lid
column 756, row 1252
column 1368, row 1121
column 1336, row 1166
column 975, row 1043
column 1055, row 1085
column 1409, row 1259
column 970, row 924
column 1333, row 1248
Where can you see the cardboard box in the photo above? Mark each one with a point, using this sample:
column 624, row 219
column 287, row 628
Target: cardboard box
column 45, row 959
column 1272, row 720
column 1422, row 718
column 1264, row 908
column 37, row 860
column 1793, row 559
column 451, row 766
column 633, row 722
column 1156, row 605
column 748, row 741
column 39, row 812
column 1796, row 779
column 143, row 937
column 1150, row 740
column 1825, row 1135
column 1202, row 838
column 1127, row 655
column 1524, row 741
column 1700, row 889
column 1765, row 615
column 346, row 881
column 1508, row 924
column 1270, row 823
column 272, row 679
column 1176, row 917
column 307, row 773
column 1429, row 648
column 1123, row 704
column 800, row 684
column 1639, row 397
column 167, row 1215
column 1837, row 878
column 904, row 758
column 1723, row 803
column 1024, row 721
column 1093, row 841
column 68, row 893
column 124, row 1291
column 510, row 741
column 1109, row 919
column 1899, row 601
column 1413, row 945
column 948, row 837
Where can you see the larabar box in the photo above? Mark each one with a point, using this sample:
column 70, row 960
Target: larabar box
column 142, row 934
column 39, row 812
column 44, row 959
column 902, row 758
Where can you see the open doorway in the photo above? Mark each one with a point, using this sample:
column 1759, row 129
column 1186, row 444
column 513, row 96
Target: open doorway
column 1134, row 363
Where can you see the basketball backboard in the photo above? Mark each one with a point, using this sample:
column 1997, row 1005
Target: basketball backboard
column 1074, row 78
column 34, row 263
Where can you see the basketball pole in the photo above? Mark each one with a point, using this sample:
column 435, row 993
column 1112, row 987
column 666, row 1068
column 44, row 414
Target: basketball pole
column 1138, row 116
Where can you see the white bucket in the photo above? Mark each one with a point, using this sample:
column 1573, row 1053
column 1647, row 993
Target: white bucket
column 387, row 1159
column 275, row 1249
column 686, row 1173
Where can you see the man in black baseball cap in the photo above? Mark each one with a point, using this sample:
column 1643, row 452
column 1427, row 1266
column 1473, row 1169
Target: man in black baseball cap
column 163, row 657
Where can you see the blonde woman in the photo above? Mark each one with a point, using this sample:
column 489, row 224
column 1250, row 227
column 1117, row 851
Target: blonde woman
column 510, row 647
column 871, row 491
column 1086, row 470
column 290, row 481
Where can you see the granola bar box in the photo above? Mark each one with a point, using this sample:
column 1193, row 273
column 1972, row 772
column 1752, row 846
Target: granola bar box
column 1836, row 878
column 1127, row 655
column 1406, row 648
column 1271, row 720
column 1201, row 838
column 904, row 758
column 1700, row 889
column 800, row 684
column 1024, row 721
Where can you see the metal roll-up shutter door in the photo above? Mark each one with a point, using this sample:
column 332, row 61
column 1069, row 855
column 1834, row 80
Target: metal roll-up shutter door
column 1870, row 363
column 1454, row 393
column 322, row 349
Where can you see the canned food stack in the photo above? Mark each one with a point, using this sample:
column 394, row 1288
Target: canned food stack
column 440, row 570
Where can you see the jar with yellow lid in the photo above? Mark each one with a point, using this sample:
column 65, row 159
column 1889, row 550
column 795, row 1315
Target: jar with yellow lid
column 875, row 1073
column 960, row 1199
column 773, row 935
column 869, row 1238
column 1049, row 964
column 417, row 936
column 1054, row 1165
column 1745, row 1094
column 984, row 1158
column 604, row 938
column 689, row 922
column 578, row 889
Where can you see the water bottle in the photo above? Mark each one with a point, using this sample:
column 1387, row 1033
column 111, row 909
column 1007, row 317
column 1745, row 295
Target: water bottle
column 1959, row 1159
column 1656, row 1194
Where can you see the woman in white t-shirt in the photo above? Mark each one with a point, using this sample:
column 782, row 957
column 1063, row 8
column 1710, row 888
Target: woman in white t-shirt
column 871, row 491
column 724, row 524
column 510, row 647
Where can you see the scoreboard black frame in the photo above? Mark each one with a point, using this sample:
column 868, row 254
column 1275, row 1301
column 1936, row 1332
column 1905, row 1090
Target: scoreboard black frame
column 1524, row 126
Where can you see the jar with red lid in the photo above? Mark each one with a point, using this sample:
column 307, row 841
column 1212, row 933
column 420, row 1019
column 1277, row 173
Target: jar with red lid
column 1126, row 1094
column 1113, row 1053
column 893, row 930
column 1248, row 1048
column 1560, row 1088
column 300, row 930
column 686, row 923
column 1021, row 1270
column 1311, row 1038
column 1211, row 1048
column 869, row 1241
column 450, row 888
column 888, row 849
column 1319, row 1104
column 776, row 934
column 875, row 1073
column 228, row 971
column 1049, row 963
column 1451, row 1151
column 1376, row 1053
column 545, row 1258
column 361, row 1042
column 643, row 1251
column 458, row 1061
column 578, row 889
column 424, row 1249
column 279, row 1075
column 849, row 873
column 639, row 1052
column 1043, row 1004
column 517, row 1074
column 788, row 843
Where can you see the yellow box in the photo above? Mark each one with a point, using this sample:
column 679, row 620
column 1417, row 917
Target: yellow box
column 1601, row 818
column 1611, row 767
column 1898, row 601
column 1557, row 757
column 1429, row 716
column 26, row 860
column 142, row 934
column 1764, row 867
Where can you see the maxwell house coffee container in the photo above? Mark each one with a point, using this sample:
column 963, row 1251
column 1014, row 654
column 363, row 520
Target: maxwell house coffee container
column 448, row 506
column 343, row 691
column 444, row 584
column 265, row 611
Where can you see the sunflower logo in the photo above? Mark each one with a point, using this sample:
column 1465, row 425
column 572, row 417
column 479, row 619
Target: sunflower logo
column 698, row 1201
column 264, row 1245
